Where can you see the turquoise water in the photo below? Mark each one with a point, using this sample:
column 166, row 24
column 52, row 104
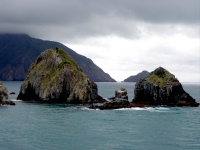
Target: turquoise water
column 28, row 126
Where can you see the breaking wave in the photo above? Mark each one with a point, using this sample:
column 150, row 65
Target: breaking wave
column 15, row 100
column 151, row 109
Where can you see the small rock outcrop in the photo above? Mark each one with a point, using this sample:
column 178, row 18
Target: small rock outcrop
column 162, row 88
column 4, row 96
column 119, row 101
column 121, row 95
column 54, row 77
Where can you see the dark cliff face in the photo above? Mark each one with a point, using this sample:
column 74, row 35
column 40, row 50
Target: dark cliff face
column 54, row 77
column 162, row 88
column 18, row 51
column 137, row 77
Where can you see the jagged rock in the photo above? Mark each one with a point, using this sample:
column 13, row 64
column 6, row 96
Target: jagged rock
column 121, row 95
column 162, row 88
column 4, row 96
column 54, row 77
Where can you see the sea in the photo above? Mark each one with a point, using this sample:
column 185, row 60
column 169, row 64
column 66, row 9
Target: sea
column 32, row 126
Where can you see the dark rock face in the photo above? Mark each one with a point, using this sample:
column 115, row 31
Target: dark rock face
column 137, row 77
column 162, row 88
column 4, row 96
column 54, row 77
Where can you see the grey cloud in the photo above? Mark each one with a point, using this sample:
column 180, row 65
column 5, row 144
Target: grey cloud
column 81, row 18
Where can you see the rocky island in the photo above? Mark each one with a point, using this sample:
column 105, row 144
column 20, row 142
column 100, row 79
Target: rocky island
column 4, row 96
column 160, row 88
column 54, row 77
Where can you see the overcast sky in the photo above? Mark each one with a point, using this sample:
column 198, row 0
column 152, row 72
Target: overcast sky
column 123, row 37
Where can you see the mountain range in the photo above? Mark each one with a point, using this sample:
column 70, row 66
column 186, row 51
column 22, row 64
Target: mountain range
column 18, row 51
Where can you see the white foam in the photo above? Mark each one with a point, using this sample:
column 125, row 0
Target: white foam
column 158, row 109
column 133, row 108
column 15, row 100
column 86, row 108
column 151, row 109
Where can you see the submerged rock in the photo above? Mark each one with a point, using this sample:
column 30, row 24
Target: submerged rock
column 162, row 88
column 54, row 77
column 4, row 96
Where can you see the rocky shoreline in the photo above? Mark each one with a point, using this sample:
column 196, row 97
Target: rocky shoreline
column 114, row 105
column 7, row 102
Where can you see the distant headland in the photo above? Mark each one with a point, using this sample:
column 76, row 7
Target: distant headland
column 18, row 51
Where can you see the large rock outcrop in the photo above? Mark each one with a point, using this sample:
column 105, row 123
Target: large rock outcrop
column 54, row 77
column 162, row 88
column 4, row 96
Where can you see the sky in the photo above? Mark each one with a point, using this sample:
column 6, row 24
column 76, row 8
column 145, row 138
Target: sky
column 122, row 37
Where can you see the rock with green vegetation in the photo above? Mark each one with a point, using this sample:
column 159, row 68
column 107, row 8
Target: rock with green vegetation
column 54, row 77
column 4, row 96
column 162, row 88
